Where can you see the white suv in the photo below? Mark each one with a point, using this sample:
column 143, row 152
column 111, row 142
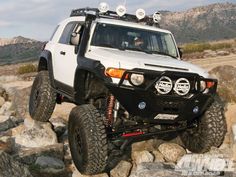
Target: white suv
column 126, row 75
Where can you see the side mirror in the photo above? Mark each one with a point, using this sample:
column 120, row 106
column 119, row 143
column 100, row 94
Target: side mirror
column 180, row 52
column 75, row 38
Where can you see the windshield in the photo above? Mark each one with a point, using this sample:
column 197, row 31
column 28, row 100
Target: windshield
column 128, row 38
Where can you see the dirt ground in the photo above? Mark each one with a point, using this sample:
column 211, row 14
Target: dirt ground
column 210, row 63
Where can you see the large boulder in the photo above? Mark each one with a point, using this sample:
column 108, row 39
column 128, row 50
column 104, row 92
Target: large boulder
column 35, row 134
column 171, row 152
column 122, row 169
column 226, row 76
column 141, row 157
column 10, row 167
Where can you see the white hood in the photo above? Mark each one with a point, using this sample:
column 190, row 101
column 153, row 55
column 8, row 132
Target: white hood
column 132, row 59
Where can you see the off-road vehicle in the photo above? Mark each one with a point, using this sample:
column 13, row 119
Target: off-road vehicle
column 126, row 76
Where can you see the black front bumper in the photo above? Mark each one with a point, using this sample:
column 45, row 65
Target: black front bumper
column 183, row 108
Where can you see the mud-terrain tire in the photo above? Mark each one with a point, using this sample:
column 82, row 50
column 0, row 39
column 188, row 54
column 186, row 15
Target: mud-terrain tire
column 88, row 140
column 42, row 98
column 210, row 131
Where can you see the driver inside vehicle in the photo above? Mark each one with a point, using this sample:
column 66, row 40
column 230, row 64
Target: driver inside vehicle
column 138, row 42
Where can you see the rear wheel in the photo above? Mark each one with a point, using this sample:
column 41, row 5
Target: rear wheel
column 42, row 98
column 88, row 140
column 210, row 131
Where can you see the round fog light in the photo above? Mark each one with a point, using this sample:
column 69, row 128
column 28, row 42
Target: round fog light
column 195, row 109
column 142, row 105
column 136, row 79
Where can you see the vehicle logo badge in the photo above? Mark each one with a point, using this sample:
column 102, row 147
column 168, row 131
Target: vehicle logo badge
column 164, row 85
column 182, row 86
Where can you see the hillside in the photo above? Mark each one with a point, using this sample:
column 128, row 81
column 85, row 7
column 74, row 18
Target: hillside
column 15, row 40
column 213, row 22
column 18, row 49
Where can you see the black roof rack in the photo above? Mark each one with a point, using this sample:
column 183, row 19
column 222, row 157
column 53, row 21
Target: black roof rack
column 111, row 15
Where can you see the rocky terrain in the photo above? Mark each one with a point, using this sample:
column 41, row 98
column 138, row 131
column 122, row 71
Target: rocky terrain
column 30, row 148
column 196, row 24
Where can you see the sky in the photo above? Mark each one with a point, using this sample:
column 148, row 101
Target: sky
column 37, row 19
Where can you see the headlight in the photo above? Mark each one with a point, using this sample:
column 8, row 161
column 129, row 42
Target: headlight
column 136, row 79
column 203, row 86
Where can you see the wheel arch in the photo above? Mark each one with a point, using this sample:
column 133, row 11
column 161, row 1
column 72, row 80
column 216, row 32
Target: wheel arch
column 45, row 64
column 88, row 70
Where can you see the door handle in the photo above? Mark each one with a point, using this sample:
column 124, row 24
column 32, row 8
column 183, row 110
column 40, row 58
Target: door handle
column 63, row 53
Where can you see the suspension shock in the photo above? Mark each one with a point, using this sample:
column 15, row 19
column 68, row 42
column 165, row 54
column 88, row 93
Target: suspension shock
column 109, row 113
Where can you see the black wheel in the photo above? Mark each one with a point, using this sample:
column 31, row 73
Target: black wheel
column 87, row 140
column 42, row 98
column 210, row 131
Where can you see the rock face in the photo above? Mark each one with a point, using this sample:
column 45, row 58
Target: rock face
column 9, row 167
column 172, row 152
column 226, row 76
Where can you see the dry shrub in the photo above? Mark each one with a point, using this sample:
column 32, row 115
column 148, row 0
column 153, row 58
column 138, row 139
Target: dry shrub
column 29, row 68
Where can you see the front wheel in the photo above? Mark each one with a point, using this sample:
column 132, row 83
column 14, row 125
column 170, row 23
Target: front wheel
column 210, row 131
column 87, row 140
column 42, row 98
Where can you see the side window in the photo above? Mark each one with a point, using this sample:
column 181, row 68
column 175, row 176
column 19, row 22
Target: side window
column 66, row 35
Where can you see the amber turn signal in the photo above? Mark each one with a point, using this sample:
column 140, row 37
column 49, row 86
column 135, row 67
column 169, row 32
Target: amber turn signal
column 115, row 73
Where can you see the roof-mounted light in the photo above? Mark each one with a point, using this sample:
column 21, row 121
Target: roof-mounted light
column 157, row 17
column 140, row 14
column 103, row 7
column 121, row 10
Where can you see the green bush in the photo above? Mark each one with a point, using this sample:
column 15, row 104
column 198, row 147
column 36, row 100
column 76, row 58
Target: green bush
column 29, row 68
column 200, row 47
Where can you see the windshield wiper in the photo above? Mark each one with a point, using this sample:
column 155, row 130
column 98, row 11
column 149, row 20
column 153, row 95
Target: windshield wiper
column 135, row 49
column 162, row 53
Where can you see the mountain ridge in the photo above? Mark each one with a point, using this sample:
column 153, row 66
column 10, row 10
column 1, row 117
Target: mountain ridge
column 15, row 40
column 195, row 25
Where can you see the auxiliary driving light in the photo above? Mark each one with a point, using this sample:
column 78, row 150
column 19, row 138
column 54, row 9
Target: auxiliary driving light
column 157, row 17
column 103, row 7
column 136, row 79
column 140, row 14
column 121, row 10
